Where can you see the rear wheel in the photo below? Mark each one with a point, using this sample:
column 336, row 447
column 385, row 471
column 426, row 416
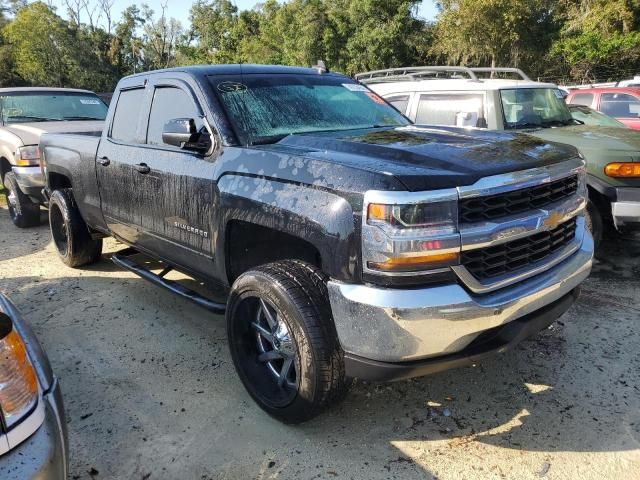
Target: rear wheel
column 70, row 233
column 23, row 212
column 283, row 341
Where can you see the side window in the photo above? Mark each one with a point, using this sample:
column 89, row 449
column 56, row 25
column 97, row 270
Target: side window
column 461, row 110
column 400, row 102
column 126, row 116
column 585, row 99
column 169, row 103
column 620, row 105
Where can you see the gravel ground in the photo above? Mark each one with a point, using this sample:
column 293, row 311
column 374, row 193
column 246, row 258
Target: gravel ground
column 151, row 392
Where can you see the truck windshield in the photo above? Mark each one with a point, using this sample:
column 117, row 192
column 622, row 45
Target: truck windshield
column 534, row 108
column 25, row 107
column 264, row 109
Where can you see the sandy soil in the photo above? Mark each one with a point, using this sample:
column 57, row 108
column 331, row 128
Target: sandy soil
column 151, row 392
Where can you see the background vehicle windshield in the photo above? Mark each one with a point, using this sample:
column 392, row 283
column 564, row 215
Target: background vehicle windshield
column 51, row 107
column 588, row 116
column 266, row 108
column 534, row 108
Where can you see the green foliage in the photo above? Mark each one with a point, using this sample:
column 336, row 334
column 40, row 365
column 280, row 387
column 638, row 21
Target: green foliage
column 496, row 32
column 599, row 40
column 556, row 39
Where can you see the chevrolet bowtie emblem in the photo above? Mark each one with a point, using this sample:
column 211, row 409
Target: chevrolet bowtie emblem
column 553, row 220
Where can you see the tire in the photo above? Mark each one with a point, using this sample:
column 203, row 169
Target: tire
column 301, row 372
column 70, row 233
column 23, row 212
column 594, row 223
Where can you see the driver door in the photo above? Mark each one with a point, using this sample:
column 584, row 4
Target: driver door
column 175, row 212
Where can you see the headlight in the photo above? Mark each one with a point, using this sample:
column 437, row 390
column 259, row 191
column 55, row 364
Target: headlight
column 18, row 381
column 28, row 156
column 406, row 234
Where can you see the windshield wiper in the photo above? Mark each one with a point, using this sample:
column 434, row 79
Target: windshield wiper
column 558, row 123
column 269, row 140
column 80, row 117
column 35, row 119
column 525, row 125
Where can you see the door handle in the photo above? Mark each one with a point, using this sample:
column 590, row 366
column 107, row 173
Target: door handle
column 104, row 161
column 142, row 168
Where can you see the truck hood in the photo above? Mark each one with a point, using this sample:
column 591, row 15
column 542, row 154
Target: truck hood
column 30, row 133
column 427, row 158
column 594, row 138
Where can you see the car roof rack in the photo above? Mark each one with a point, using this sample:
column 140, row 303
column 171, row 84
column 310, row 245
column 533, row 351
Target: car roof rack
column 412, row 74
column 517, row 71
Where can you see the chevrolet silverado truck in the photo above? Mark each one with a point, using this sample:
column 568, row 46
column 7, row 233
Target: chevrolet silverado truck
column 351, row 243
column 467, row 98
column 25, row 114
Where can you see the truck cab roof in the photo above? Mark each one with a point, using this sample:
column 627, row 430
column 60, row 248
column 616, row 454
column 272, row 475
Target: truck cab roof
column 236, row 69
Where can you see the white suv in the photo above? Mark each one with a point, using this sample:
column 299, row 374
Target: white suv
column 457, row 96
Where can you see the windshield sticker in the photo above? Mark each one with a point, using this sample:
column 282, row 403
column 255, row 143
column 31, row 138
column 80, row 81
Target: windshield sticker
column 375, row 98
column 229, row 87
column 89, row 101
column 355, row 87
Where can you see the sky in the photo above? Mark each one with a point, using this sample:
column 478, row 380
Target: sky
column 180, row 9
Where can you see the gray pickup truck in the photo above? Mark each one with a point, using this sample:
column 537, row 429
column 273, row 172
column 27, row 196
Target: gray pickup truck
column 25, row 114
column 351, row 242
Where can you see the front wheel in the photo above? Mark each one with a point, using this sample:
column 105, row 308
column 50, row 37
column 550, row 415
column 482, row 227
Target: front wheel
column 69, row 231
column 283, row 341
column 23, row 212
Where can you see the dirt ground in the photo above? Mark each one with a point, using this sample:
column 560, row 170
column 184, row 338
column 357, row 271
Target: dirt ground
column 151, row 392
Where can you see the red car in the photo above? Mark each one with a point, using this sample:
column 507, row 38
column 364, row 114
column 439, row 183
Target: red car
column 621, row 103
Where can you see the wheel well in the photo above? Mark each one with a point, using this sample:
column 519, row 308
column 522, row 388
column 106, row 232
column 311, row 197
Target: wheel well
column 58, row 181
column 249, row 245
column 5, row 167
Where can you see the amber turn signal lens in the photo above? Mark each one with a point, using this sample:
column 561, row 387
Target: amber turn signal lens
column 417, row 263
column 18, row 381
column 379, row 212
column 622, row 170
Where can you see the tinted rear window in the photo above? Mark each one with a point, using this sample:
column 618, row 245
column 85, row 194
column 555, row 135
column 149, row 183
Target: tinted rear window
column 126, row 116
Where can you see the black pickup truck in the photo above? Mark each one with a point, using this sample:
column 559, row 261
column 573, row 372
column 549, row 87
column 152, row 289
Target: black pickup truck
column 351, row 242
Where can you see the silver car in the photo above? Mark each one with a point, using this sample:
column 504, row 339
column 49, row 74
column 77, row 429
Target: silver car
column 33, row 433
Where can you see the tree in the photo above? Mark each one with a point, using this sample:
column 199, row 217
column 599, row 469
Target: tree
column 495, row 32
column 161, row 39
column 125, row 52
column 599, row 40
column 44, row 56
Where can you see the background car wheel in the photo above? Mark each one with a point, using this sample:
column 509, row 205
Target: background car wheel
column 24, row 213
column 70, row 233
column 594, row 223
column 283, row 341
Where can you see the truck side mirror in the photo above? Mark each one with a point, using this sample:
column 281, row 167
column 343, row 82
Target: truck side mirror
column 183, row 133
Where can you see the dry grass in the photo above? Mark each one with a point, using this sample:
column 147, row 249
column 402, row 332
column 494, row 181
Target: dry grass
column 3, row 202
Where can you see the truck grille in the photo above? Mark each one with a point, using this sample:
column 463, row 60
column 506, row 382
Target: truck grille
column 490, row 262
column 495, row 206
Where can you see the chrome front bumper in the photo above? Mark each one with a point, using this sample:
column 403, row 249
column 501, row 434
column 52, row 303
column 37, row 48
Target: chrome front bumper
column 405, row 325
column 626, row 209
column 30, row 179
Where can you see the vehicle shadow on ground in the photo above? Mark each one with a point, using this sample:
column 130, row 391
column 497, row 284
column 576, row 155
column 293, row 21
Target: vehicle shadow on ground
column 131, row 354
column 16, row 242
